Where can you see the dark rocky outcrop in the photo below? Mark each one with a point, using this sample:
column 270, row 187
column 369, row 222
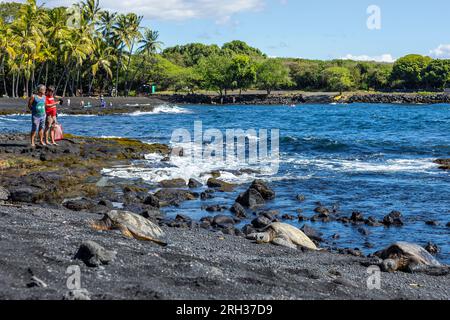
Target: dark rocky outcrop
column 79, row 204
column 24, row 194
column 393, row 219
column 94, row 255
column 174, row 197
column 174, row 183
column 220, row 185
column 312, row 233
column 263, row 189
column 256, row 195
column 193, row 184
column 239, row 211
column 250, row 199
column 444, row 164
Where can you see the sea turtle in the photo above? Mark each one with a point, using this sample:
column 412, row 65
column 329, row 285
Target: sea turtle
column 131, row 225
column 404, row 256
column 283, row 234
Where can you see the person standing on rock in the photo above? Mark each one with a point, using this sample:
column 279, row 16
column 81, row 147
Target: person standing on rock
column 37, row 106
column 50, row 110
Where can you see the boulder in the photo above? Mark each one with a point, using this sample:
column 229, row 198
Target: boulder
column 372, row 222
column 94, row 255
column 261, row 222
column 312, row 233
column 263, row 189
column 249, row 229
column 79, row 204
column 357, row 217
column 239, row 211
column 288, row 217
column 174, row 197
column 444, row 164
column 151, row 200
column 223, row 221
column 106, row 203
column 220, row 185
column 393, row 219
column 26, row 195
column 216, row 208
column 174, row 183
column 432, row 223
column 251, row 199
column 206, row 195
column 193, row 184
column 322, row 211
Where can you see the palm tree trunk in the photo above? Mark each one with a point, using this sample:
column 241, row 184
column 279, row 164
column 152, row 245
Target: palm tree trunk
column 13, row 85
column 119, row 62
column 4, row 76
column 127, row 71
column 46, row 74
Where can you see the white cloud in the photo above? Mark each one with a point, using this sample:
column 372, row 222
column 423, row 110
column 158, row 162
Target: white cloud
column 220, row 10
column 383, row 58
column 441, row 52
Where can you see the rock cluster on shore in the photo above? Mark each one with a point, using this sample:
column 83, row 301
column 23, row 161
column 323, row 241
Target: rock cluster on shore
column 310, row 98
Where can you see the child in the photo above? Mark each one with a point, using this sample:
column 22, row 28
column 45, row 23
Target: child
column 37, row 106
column 50, row 109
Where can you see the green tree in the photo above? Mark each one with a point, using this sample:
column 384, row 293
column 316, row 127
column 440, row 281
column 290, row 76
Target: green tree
column 378, row 77
column 272, row 74
column 242, row 71
column 306, row 74
column 437, row 74
column 214, row 72
column 242, row 48
column 189, row 55
column 407, row 71
column 338, row 79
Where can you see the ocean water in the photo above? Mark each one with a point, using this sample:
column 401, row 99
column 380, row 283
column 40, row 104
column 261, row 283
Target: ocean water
column 368, row 158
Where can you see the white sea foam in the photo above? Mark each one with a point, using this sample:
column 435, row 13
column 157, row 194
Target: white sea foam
column 7, row 118
column 388, row 166
column 76, row 115
column 232, row 170
column 161, row 109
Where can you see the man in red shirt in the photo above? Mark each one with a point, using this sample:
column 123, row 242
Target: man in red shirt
column 50, row 110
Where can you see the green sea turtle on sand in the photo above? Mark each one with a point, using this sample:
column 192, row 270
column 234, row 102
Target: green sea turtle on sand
column 131, row 225
column 404, row 256
column 283, row 234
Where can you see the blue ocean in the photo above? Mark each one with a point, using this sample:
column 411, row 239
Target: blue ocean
column 368, row 158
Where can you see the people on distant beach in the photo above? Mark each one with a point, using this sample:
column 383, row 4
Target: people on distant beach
column 82, row 103
column 68, row 103
column 50, row 109
column 102, row 102
column 37, row 106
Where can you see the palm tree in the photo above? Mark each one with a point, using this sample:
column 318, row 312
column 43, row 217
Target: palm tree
column 126, row 34
column 28, row 31
column 7, row 50
column 106, row 24
column 101, row 57
column 148, row 46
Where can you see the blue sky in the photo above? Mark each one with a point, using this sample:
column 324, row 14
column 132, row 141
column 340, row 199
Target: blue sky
column 319, row 29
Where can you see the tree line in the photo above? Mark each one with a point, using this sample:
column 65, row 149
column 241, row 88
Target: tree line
column 84, row 50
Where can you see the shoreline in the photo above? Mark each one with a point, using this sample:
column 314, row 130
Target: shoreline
column 124, row 105
column 52, row 196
